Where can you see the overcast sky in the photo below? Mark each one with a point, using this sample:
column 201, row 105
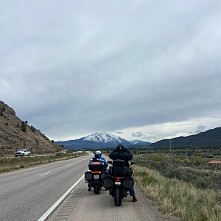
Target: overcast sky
column 139, row 69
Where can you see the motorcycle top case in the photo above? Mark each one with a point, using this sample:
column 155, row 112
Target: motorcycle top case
column 119, row 171
column 118, row 163
column 88, row 176
column 96, row 166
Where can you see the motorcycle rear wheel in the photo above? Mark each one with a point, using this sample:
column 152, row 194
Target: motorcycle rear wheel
column 96, row 188
column 117, row 197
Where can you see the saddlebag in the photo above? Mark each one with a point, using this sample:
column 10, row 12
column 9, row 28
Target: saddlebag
column 103, row 175
column 128, row 183
column 108, row 182
column 88, row 176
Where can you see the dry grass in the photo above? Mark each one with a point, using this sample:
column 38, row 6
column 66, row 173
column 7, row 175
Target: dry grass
column 179, row 198
column 13, row 163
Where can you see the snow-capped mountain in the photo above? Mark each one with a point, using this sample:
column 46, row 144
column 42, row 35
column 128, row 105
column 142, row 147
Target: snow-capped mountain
column 139, row 142
column 95, row 141
column 104, row 137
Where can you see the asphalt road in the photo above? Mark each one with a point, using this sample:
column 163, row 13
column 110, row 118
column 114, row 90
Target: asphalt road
column 28, row 194
column 82, row 205
column 25, row 195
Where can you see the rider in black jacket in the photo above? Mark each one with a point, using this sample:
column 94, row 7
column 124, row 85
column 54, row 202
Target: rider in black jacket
column 122, row 153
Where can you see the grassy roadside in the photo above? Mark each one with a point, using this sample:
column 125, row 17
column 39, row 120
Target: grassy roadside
column 179, row 198
column 12, row 163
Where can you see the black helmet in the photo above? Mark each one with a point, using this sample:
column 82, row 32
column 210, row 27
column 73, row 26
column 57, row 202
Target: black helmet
column 120, row 147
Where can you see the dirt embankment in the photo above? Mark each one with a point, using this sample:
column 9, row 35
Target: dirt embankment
column 16, row 134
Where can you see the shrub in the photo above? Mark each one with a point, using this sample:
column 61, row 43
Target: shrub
column 157, row 157
column 32, row 129
column 180, row 198
column 23, row 126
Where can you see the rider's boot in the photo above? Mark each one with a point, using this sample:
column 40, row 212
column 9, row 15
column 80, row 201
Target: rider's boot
column 134, row 199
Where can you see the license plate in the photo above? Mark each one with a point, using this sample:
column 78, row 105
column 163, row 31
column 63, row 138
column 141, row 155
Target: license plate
column 96, row 177
column 117, row 183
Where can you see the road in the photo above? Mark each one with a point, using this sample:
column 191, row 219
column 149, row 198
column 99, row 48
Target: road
column 28, row 194
column 25, row 195
column 83, row 206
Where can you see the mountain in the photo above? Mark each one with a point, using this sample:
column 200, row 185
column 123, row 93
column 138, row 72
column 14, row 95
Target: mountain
column 209, row 138
column 105, row 137
column 95, row 141
column 16, row 134
column 139, row 142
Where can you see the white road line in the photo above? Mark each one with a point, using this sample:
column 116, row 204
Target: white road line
column 45, row 173
column 69, row 165
column 59, row 201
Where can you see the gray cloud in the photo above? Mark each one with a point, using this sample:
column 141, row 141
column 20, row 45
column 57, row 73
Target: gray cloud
column 143, row 136
column 137, row 134
column 200, row 128
column 73, row 68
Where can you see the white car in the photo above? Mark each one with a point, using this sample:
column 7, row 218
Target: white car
column 22, row 153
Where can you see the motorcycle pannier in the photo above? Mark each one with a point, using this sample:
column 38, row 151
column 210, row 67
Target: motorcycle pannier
column 88, row 176
column 108, row 182
column 128, row 183
column 96, row 166
column 103, row 175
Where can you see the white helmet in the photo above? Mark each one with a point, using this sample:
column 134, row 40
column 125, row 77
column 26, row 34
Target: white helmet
column 98, row 153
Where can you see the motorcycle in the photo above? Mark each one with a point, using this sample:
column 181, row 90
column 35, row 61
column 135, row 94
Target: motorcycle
column 94, row 176
column 119, row 180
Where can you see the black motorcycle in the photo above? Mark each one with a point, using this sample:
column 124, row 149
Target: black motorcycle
column 119, row 180
column 94, row 176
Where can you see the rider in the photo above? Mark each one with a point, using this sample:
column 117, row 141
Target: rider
column 98, row 157
column 123, row 153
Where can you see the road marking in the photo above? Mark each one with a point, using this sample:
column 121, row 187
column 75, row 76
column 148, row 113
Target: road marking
column 69, row 165
column 45, row 173
column 59, row 201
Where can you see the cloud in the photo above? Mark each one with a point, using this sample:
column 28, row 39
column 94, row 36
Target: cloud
column 84, row 67
column 200, row 128
column 143, row 136
column 137, row 134
column 119, row 132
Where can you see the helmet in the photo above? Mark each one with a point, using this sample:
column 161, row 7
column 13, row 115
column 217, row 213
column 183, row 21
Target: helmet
column 98, row 153
column 120, row 147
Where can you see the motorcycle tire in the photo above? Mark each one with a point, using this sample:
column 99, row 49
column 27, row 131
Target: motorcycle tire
column 96, row 188
column 117, row 197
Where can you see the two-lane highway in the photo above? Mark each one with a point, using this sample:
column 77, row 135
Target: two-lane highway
column 25, row 195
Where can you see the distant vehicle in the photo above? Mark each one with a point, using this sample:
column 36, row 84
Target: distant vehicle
column 22, row 153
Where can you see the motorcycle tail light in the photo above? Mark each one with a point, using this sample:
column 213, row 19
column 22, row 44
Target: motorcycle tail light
column 96, row 172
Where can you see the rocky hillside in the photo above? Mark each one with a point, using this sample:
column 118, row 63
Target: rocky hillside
column 16, row 134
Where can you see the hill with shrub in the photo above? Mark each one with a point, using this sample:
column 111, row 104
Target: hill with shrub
column 209, row 138
column 16, row 134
